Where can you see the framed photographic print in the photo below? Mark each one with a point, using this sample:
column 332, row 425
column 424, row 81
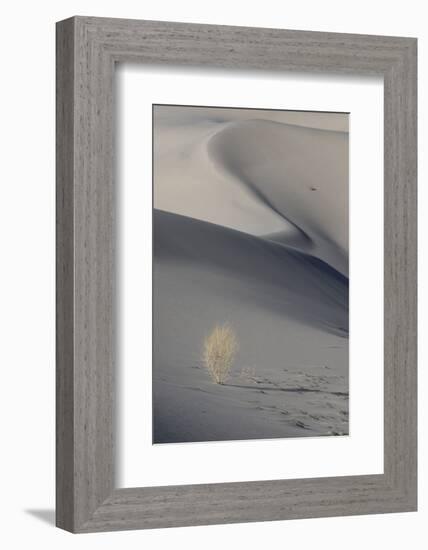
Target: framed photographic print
column 236, row 274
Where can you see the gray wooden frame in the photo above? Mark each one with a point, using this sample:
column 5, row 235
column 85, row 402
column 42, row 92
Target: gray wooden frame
column 87, row 50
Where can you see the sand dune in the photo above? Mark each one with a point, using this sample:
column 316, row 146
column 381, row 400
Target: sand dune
column 290, row 313
column 273, row 275
column 298, row 173
column 283, row 180
column 179, row 115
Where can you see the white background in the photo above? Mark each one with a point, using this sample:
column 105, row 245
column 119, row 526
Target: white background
column 27, row 274
column 360, row 453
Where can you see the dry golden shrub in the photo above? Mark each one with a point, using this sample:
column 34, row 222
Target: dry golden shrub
column 220, row 348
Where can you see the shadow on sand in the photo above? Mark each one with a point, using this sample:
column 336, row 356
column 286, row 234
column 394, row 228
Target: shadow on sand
column 290, row 390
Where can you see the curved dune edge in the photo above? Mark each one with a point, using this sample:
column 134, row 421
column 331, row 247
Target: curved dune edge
column 270, row 179
column 299, row 174
column 267, row 274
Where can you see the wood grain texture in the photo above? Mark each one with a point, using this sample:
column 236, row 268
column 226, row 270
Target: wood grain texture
column 87, row 50
column 64, row 277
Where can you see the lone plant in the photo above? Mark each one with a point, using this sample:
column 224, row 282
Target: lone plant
column 220, row 348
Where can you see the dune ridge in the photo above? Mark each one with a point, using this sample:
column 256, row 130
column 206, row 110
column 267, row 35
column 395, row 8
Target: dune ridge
column 282, row 181
column 299, row 285
column 272, row 160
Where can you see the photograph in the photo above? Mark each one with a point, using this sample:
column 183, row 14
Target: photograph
column 250, row 274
